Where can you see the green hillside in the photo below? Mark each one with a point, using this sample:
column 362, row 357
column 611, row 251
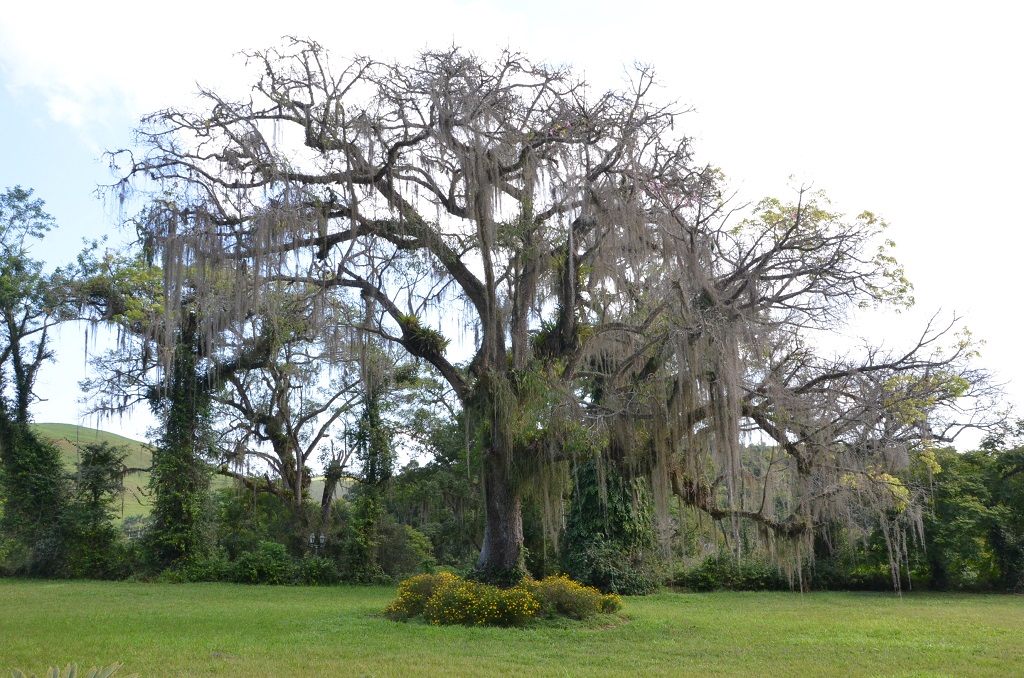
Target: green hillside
column 135, row 501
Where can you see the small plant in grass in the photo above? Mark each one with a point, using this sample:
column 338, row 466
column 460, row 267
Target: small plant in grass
column 71, row 671
column 561, row 596
column 610, row 603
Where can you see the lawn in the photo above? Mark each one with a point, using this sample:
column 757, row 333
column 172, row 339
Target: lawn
column 229, row 630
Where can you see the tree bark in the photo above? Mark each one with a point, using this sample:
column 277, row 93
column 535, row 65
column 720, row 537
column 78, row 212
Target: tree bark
column 502, row 554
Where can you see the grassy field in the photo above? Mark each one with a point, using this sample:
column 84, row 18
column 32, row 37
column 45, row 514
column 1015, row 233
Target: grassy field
column 232, row 630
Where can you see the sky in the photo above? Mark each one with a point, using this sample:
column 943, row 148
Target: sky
column 909, row 109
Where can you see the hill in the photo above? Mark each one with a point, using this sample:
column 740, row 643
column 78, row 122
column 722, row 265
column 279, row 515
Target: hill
column 136, row 501
column 68, row 437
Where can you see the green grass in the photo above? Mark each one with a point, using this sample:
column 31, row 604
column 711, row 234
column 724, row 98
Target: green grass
column 230, row 630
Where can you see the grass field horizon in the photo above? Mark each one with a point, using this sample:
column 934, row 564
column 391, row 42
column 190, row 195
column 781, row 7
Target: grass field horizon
column 227, row 629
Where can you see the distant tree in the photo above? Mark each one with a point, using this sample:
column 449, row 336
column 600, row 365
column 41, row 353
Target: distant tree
column 974, row 535
column 170, row 363
column 94, row 542
column 31, row 302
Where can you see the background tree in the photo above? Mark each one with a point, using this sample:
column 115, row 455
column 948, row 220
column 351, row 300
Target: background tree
column 168, row 357
column 32, row 483
column 284, row 411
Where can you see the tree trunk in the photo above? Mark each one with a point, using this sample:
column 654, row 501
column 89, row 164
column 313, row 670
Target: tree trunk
column 501, row 558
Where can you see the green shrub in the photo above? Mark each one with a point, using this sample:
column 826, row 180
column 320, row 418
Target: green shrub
column 268, row 564
column 722, row 572
column 316, row 571
column 601, row 565
column 559, row 595
column 446, row 598
column 206, row 567
column 404, row 550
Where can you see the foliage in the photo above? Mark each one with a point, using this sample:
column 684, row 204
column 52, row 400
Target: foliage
column 974, row 536
column 610, row 603
column 441, row 498
column 472, row 603
column 560, row 596
column 609, row 532
column 446, row 598
column 209, row 566
column 268, row 564
column 180, row 475
column 404, row 550
column 725, row 573
column 96, row 549
column 35, row 493
column 316, row 571
column 32, row 483
column 413, row 594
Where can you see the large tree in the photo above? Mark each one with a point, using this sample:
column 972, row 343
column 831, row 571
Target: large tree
column 564, row 237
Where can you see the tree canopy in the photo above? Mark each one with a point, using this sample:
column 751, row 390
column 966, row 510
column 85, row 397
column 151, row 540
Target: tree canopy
column 563, row 264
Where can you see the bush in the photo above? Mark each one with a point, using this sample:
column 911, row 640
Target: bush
column 610, row 570
column 268, row 564
column 722, row 572
column 208, row 567
column 446, row 598
column 452, row 603
column 559, row 595
column 403, row 550
column 413, row 594
column 610, row 603
column 471, row 603
column 316, row 571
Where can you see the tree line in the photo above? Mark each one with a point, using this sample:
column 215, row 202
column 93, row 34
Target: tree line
column 602, row 366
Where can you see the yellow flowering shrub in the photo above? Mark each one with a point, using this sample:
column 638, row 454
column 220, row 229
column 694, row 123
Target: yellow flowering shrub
column 559, row 595
column 472, row 603
column 610, row 602
column 448, row 599
column 413, row 594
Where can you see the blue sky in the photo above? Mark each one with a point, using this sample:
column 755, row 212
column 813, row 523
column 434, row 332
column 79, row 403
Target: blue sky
column 909, row 109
